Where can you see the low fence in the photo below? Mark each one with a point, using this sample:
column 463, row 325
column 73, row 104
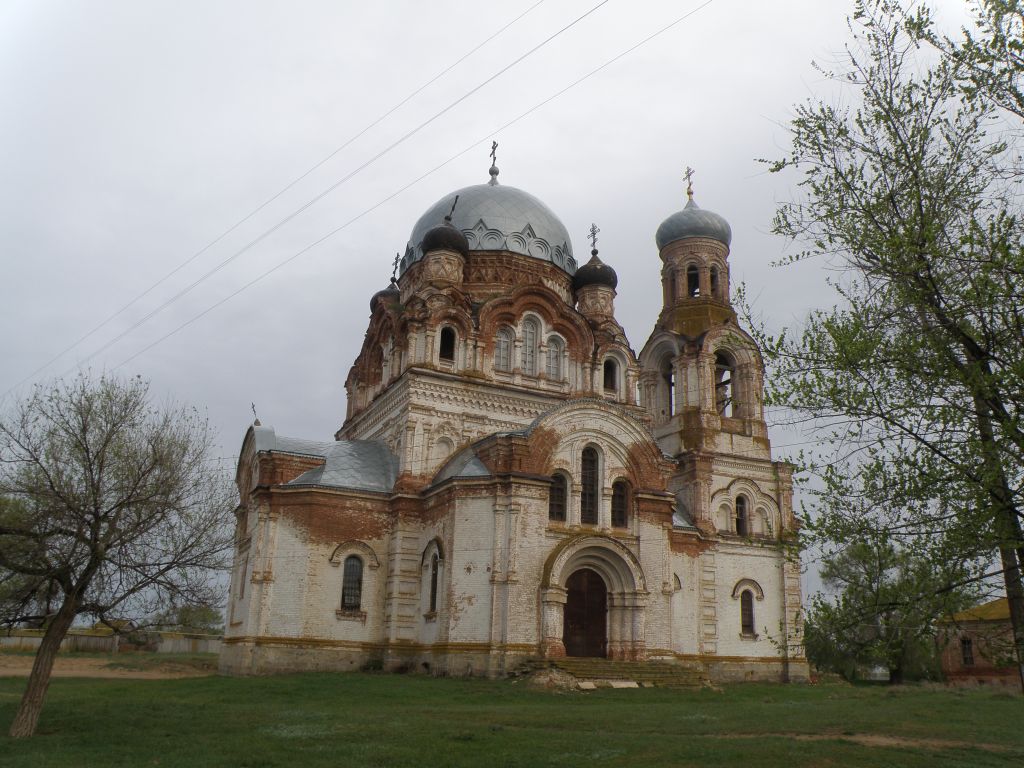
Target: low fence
column 105, row 641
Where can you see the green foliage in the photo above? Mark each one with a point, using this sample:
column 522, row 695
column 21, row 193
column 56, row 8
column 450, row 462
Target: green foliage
column 915, row 381
column 387, row 720
column 202, row 619
column 884, row 611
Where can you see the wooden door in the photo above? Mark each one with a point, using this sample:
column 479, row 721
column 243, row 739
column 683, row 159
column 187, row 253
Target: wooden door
column 585, row 624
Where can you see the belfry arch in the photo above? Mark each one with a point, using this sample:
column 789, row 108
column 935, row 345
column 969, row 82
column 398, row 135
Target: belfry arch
column 626, row 590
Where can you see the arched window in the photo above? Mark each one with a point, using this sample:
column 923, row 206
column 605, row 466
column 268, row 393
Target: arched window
column 589, row 491
column 668, row 375
column 531, row 336
column 447, row 351
column 620, row 504
column 503, row 349
column 554, row 364
column 557, row 496
column 742, row 518
column 352, row 584
column 692, row 281
column 714, row 282
column 434, row 568
column 725, row 373
column 747, row 613
column 611, row 376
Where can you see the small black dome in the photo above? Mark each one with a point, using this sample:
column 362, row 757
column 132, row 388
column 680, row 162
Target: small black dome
column 594, row 272
column 391, row 294
column 445, row 238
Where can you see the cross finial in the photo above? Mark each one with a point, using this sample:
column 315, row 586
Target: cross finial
column 394, row 266
column 689, row 182
column 494, row 164
column 451, row 213
column 593, row 237
column 256, row 419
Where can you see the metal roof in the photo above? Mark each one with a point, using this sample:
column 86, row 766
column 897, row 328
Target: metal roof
column 365, row 465
column 693, row 221
column 496, row 217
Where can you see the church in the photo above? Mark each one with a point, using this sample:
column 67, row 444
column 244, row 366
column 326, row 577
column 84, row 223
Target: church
column 512, row 481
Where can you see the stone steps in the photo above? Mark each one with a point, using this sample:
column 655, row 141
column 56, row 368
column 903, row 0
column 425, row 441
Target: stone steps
column 609, row 673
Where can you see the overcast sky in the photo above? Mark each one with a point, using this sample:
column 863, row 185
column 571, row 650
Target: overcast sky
column 136, row 133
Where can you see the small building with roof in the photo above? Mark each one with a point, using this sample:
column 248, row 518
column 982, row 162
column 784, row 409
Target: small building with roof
column 977, row 646
column 512, row 481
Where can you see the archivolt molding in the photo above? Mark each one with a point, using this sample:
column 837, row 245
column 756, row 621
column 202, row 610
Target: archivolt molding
column 354, row 546
column 616, row 564
column 733, row 339
column 750, row 584
column 626, row 444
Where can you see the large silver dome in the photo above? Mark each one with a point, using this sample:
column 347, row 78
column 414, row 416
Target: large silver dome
column 693, row 221
column 496, row 217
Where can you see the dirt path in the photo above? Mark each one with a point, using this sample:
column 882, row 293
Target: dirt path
column 877, row 740
column 19, row 666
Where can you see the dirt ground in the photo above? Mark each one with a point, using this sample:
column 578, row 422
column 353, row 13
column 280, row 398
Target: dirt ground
column 18, row 665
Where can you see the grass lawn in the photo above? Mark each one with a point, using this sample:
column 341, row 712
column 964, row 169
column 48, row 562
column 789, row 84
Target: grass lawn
column 388, row 720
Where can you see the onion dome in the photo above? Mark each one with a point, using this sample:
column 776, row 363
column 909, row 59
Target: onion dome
column 445, row 238
column 495, row 217
column 388, row 295
column 594, row 272
column 693, row 221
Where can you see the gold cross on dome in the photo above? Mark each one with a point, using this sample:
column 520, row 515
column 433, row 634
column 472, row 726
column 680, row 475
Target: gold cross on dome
column 494, row 153
column 689, row 181
column 394, row 266
column 593, row 235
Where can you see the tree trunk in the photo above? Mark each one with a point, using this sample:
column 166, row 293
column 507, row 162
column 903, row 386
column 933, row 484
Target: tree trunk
column 27, row 718
column 1008, row 528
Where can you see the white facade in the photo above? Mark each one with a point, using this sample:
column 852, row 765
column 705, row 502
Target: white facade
column 513, row 481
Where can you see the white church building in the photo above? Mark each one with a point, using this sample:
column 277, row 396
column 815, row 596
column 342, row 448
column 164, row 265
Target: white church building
column 512, row 481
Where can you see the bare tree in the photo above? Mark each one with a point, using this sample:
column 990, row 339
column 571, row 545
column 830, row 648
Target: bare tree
column 110, row 507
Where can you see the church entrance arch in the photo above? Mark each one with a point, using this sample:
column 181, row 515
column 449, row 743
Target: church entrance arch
column 593, row 600
column 585, row 622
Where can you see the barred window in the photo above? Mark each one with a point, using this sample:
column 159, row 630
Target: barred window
column 531, row 336
column 555, row 350
column 967, row 651
column 588, row 494
column 620, row 504
column 352, row 584
column 503, row 349
column 742, row 520
column 434, row 567
column 747, row 612
column 556, row 499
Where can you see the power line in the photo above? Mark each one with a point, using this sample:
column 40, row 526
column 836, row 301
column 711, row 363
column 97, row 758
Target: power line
column 331, row 188
column 433, row 170
column 271, row 199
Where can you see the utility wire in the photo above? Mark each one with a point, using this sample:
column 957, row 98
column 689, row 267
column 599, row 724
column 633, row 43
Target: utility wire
column 412, row 183
column 330, row 189
column 271, row 199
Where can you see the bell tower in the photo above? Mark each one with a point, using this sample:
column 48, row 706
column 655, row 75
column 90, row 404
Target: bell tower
column 694, row 249
column 702, row 379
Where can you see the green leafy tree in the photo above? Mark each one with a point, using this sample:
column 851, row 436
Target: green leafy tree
column 201, row 619
column 111, row 509
column 916, row 379
column 882, row 612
